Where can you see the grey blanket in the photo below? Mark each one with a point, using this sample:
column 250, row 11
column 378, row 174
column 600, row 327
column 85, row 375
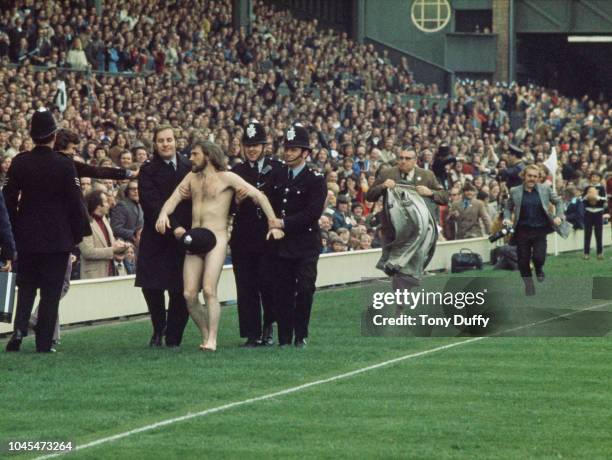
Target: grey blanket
column 413, row 243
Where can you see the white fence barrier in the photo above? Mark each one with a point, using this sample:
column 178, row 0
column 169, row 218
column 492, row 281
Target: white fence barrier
column 107, row 298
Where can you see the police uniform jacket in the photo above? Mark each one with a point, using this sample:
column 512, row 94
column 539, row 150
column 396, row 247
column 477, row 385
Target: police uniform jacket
column 85, row 170
column 160, row 258
column 48, row 217
column 7, row 242
column 299, row 202
column 250, row 223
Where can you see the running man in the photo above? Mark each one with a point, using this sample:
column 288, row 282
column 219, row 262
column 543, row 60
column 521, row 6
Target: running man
column 211, row 188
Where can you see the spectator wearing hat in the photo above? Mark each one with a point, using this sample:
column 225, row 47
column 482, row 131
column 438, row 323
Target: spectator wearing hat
column 44, row 204
column 160, row 258
column 512, row 174
column 248, row 240
column 299, row 200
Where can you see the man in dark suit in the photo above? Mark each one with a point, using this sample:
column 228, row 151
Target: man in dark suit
column 528, row 210
column 43, row 199
column 299, row 199
column 248, row 241
column 160, row 258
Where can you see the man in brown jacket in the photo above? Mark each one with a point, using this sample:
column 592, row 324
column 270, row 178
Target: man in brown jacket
column 426, row 185
column 467, row 214
column 407, row 171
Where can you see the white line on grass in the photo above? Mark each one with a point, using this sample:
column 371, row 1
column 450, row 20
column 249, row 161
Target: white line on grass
column 287, row 391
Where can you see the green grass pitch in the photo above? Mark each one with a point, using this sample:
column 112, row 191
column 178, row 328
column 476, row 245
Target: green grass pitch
column 520, row 397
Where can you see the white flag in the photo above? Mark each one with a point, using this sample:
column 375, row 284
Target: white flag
column 60, row 96
column 551, row 163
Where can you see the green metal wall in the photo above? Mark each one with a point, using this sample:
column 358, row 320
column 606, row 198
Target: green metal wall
column 392, row 25
column 563, row 16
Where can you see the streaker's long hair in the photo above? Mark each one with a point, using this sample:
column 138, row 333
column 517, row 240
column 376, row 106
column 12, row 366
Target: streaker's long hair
column 213, row 152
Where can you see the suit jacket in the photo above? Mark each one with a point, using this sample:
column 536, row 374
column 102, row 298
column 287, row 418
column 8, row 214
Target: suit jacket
column 299, row 202
column 126, row 217
column 7, row 242
column 548, row 199
column 468, row 222
column 160, row 258
column 44, row 202
column 421, row 177
column 97, row 172
column 250, row 223
column 96, row 254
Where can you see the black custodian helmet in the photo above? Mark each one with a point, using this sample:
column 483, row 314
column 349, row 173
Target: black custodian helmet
column 43, row 124
column 254, row 134
column 297, row 136
column 198, row 241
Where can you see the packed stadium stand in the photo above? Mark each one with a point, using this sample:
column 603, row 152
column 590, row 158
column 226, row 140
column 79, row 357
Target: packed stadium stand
column 112, row 78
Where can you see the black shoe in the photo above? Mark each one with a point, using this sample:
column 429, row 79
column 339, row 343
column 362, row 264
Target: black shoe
column 300, row 343
column 50, row 350
column 267, row 336
column 540, row 276
column 156, row 341
column 250, row 343
column 15, row 341
column 529, row 287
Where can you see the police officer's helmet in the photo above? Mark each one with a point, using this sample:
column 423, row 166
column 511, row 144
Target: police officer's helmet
column 297, row 136
column 254, row 134
column 43, row 124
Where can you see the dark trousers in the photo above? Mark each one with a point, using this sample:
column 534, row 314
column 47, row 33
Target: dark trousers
column 530, row 245
column 253, row 286
column 593, row 221
column 293, row 293
column 45, row 272
column 174, row 326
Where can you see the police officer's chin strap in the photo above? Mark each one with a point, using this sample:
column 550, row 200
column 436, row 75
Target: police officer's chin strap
column 293, row 159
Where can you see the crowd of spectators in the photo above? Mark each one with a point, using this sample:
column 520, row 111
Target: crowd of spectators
column 182, row 63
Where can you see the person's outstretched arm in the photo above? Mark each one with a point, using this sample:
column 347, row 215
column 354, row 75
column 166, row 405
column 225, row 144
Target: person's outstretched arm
column 163, row 220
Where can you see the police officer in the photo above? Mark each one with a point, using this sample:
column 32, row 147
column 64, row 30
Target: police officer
column 43, row 199
column 248, row 241
column 512, row 174
column 299, row 199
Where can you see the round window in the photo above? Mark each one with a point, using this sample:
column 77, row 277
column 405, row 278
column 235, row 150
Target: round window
column 430, row 15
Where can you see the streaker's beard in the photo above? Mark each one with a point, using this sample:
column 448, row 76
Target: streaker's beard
column 202, row 167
